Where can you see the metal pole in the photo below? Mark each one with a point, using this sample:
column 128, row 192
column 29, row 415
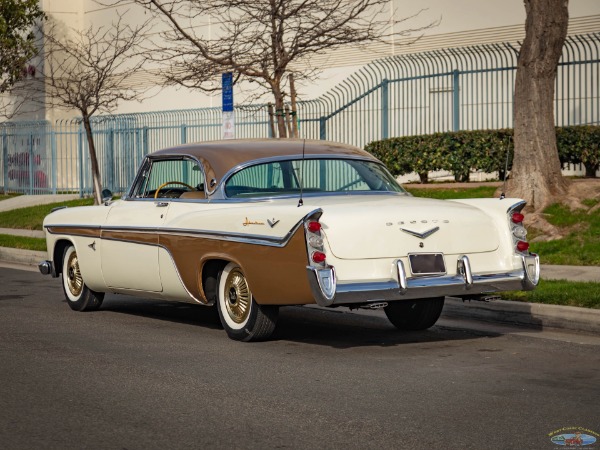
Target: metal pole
column 54, row 167
column 5, row 160
column 30, row 164
column 323, row 128
column 456, row 100
column 385, row 113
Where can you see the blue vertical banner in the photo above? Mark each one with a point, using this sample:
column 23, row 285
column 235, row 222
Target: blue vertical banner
column 227, row 101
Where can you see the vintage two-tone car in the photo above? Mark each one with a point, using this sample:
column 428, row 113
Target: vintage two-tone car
column 252, row 225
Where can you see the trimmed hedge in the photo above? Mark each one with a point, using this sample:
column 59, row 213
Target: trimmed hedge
column 481, row 150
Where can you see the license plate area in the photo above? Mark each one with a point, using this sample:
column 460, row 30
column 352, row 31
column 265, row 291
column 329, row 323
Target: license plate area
column 423, row 264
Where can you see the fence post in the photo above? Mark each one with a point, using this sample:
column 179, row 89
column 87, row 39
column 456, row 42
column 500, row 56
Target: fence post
column 183, row 133
column 5, row 160
column 53, row 152
column 455, row 100
column 385, row 114
column 30, row 164
column 323, row 128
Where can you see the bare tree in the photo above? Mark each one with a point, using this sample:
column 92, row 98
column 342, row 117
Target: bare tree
column 89, row 71
column 536, row 174
column 263, row 40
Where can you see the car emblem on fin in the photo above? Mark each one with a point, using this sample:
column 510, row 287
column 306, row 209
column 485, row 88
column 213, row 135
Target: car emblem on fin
column 423, row 235
column 273, row 222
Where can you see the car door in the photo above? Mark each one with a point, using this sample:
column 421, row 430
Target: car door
column 130, row 244
column 131, row 234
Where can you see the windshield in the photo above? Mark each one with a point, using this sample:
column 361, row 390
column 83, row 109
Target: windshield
column 280, row 178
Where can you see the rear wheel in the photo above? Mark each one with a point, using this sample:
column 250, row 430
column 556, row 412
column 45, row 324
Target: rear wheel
column 79, row 296
column 243, row 318
column 415, row 314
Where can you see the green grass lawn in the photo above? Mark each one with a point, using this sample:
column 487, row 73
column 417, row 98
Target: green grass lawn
column 31, row 218
column 581, row 245
column 451, row 193
column 22, row 242
column 560, row 292
column 7, row 196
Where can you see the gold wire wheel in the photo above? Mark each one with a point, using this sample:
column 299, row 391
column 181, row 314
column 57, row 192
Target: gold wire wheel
column 237, row 296
column 74, row 278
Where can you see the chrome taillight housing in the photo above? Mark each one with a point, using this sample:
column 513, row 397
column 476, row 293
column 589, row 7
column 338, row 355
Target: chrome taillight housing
column 314, row 243
column 519, row 233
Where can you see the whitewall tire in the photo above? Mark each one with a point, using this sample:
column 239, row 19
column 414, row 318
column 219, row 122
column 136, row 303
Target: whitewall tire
column 78, row 295
column 241, row 316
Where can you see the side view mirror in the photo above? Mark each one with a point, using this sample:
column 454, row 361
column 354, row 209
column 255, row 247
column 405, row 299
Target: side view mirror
column 107, row 195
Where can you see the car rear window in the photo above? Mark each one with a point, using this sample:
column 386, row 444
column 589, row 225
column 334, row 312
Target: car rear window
column 280, row 178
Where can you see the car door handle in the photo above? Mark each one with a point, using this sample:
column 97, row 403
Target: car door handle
column 161, row 204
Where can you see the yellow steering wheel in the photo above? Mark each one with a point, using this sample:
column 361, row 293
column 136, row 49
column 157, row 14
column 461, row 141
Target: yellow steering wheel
column 171, row 182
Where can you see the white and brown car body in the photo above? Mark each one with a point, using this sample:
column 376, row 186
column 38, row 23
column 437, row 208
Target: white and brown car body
column 303, row 222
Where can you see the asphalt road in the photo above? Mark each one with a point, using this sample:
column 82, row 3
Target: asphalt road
column 141, row 374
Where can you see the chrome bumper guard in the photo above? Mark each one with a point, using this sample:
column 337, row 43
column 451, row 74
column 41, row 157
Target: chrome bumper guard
column 47, row 268
column 328, row 292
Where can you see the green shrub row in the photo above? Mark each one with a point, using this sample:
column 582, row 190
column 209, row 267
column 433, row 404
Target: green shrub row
column 461, row 152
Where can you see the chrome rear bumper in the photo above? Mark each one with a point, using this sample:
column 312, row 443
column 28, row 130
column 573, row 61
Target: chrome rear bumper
column 328, row 292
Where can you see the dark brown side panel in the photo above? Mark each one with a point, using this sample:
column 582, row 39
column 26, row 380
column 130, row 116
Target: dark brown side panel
column 277, row 275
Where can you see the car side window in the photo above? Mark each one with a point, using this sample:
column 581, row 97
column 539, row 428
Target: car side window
column 170, row 179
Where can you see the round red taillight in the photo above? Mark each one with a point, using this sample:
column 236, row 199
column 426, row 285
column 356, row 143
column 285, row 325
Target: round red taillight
column 318, row 257
column 522, row 246
column 314, row 227
column 517, row 217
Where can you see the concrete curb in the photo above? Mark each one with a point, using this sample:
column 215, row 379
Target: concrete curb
column 24, row 201
column 19, row 256
column 535, row 315
column 25, row 233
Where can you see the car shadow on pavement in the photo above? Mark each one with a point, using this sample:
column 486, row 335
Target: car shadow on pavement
column 336, row 328
column 177, row 312
column 342, row 328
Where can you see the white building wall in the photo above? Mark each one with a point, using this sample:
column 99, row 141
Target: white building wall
column 461, row 22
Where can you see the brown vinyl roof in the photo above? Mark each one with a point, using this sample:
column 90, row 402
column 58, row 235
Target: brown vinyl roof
column 218, row 157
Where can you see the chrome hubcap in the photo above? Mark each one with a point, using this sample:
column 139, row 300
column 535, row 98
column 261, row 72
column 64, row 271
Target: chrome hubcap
column 238, row 296
column 74, row 279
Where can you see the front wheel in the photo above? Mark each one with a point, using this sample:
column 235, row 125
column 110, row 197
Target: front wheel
column 79, row 296
column 415, row 314
column 243, row 318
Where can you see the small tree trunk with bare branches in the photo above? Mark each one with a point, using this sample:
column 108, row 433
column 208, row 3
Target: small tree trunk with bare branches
column 536, row 175
column 94, row 160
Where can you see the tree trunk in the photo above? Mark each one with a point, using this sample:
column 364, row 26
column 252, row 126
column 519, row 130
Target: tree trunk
column 536, row 174
column 294, row 109
column 279, row 112
column 590, row 170
column 94, row 161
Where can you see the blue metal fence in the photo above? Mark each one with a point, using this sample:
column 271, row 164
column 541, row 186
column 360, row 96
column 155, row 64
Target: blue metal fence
column 441, row 90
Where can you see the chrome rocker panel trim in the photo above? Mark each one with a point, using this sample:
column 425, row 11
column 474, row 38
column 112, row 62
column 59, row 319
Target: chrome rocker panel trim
column 328, row 292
